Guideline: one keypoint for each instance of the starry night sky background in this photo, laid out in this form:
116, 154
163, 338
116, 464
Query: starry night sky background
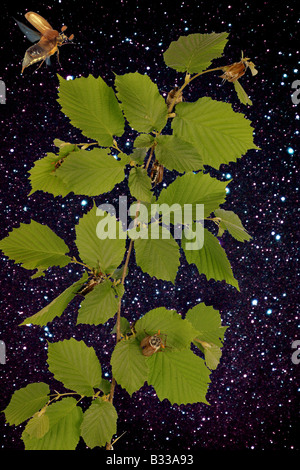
253, 394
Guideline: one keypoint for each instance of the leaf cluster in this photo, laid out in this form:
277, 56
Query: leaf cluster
183, 137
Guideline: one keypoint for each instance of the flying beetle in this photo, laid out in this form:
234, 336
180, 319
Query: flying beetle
48, 39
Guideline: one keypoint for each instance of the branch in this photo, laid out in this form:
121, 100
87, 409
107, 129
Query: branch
188, 80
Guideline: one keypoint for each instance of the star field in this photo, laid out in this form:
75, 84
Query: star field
254, 391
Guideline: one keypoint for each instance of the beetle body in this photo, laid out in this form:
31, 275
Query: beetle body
152, 344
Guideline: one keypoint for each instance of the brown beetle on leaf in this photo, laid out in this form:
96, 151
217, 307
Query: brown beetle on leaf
152, 344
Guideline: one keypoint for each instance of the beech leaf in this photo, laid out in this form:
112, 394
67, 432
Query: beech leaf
143, 106
35, 246
92, 106
75, 365
219, 134
193, 53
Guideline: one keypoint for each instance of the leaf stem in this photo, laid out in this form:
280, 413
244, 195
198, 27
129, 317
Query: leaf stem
58, 395
205, 71
122, 282
118, 320
74, 260
118, 330
188, 80
150, 157
216, 220
115, 146
86, 145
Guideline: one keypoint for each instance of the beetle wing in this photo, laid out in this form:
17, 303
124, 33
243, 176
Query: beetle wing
32, 35
145, 342
38, 22
48, 47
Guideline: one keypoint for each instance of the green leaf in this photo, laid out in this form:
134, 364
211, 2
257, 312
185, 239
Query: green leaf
211, 260
99, 424
43, 177
137, 157
91, 172
101, 304
143, 106
179, 376
118, 273
65, 419
129, 366
75, 365
108, 253
207, 321
218, 133
158, 257
57, 306
231, 222
124, 327
25, 402
35, 246
212, 355
210, 333
59, 143
123, 158
241, 94
38, 426
65, 147
193, 189
194, 53
177, 154
178, 333
140, 184
144, 141
91, 105
38, 273
105, 386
